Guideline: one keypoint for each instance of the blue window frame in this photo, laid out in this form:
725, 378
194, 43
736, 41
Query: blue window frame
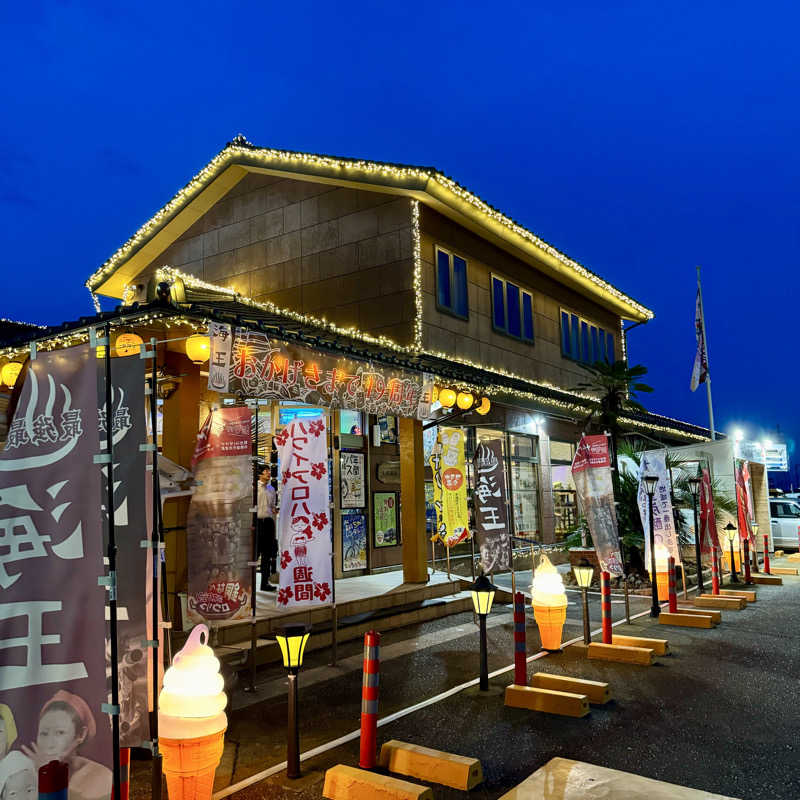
512, 309
582, 341
451, 284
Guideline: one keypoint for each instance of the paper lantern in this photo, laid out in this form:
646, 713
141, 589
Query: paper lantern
464, 400
447, 397
198, 348
10, 373
484, 407
127, 344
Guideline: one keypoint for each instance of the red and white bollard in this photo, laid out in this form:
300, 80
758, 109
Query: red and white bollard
714, 570
369, 699
520, 652
672, 595
605, 605
766, 553
746, 561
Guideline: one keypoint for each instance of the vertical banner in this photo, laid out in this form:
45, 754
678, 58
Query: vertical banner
304, 525
744, 503
52, 610
709, 540
454, 527
435, 462
654, 462
219, 525
491, 512
591, 473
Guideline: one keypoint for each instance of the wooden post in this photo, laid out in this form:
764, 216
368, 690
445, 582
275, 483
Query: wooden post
412, 501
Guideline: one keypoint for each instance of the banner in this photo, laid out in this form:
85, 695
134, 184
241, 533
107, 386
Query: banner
219, 528
744, 504
351, 480
654, 462
700, 368
591, 473
709, 538
304, 525
257, 366
52, 610
452, 478
491, 512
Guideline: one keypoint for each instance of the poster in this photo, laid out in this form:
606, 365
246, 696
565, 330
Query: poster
491, 512
385, 519
591, 474
52, 610
304, 525
654, 462
450, 477
219, 528
708, 522
351, 480
257, 366
354, 542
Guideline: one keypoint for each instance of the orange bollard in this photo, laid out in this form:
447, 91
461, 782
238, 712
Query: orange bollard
369, 699
605, 605
671, 595
766, 553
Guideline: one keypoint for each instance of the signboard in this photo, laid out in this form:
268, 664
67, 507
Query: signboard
491, 512
776, 457
749, 451
257, 366
450, 478
385, 519
351, 480
654, 462
354, 542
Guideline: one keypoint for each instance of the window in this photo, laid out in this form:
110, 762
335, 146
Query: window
451, 283
582, 341
512, 309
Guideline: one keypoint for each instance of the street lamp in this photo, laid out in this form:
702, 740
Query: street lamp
583, 577
292, 641
650, 483
694, 488
483, 591
730, 532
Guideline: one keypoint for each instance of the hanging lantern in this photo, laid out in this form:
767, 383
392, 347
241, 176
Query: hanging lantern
447, 397
127, 344
10, 373
484, 407
464, 400
198, 348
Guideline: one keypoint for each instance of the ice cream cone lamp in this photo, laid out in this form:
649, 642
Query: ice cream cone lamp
583, 577
694, 488
730, 532
549, 604
292, 640
483, 591
650, 482
191, 719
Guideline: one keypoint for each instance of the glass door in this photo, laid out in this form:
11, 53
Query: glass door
524, 485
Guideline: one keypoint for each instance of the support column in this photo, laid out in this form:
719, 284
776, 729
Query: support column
412, 501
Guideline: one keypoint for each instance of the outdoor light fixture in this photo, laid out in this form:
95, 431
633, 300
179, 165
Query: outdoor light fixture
464, 400
484, 407
583, 577
694, 488
730, 532
483, 591
650, 483
292, 641
10, 373
738, 435
198, 348
127, 344
447, 397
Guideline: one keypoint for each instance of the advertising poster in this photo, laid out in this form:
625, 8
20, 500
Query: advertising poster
351, 480
354, 541
591, 473
708, 521
304, 525
454, 527
219, 527
385, 520
491, 513
654, 462
52, 610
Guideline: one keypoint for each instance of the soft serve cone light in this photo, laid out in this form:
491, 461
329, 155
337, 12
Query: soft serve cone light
549, 604
192, 719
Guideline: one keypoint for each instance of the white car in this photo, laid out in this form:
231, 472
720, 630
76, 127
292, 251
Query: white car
785, 519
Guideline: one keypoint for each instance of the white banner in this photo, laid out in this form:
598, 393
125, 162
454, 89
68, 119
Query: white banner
304, 524
654, 462
700, 368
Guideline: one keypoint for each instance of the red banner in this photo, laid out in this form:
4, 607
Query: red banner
709, 538
743, 506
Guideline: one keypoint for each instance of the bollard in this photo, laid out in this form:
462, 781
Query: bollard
672, 595
124, 774
714, 570
520, 664
746, 561
766, 553
605, 606
369, 699
53, 781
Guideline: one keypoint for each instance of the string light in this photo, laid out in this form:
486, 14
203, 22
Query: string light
417, 252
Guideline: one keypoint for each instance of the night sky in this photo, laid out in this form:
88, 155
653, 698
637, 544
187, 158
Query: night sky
641, 140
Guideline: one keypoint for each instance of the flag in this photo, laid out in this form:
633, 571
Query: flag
700, 370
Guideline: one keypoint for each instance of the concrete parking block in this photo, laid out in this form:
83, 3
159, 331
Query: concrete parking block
434, 766
349, 783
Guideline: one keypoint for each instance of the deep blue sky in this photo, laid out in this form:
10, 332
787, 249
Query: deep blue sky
640, 138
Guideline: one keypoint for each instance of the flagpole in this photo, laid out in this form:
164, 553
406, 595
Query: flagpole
708, 359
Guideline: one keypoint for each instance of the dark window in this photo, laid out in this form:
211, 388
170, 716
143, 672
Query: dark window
451, 284
595, 349
514, 322
582, 341
460, 304
512, 309
585, 354
576, 348
498, 304
527, 316
601, 335
566, 340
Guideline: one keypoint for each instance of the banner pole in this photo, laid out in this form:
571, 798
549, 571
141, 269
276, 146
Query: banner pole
253, 573
708, 359
334, 610
112, 572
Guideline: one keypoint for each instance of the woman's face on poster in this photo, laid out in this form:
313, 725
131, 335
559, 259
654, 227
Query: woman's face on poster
57, 737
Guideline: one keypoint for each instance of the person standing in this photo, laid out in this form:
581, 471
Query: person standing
267, 540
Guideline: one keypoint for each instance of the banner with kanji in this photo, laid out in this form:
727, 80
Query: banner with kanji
744, 502
304, 520
219, 527
591, 473
491, 513
52, 610
654, 462
250, 363
709, 538
450, 477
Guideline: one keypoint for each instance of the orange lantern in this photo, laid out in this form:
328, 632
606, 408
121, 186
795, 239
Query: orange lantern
198, 348
484, 407
127, 344
464, 400
10, 373
447, 397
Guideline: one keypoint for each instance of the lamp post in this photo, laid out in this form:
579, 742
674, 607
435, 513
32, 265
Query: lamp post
292, 641
483, 591
730, 532
650, 483
694, 488
583, 576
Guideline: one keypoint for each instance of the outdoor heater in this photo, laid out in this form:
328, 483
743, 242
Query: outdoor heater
292, 641
730, 532
583, 576
483, 591
650, 483
694, 488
